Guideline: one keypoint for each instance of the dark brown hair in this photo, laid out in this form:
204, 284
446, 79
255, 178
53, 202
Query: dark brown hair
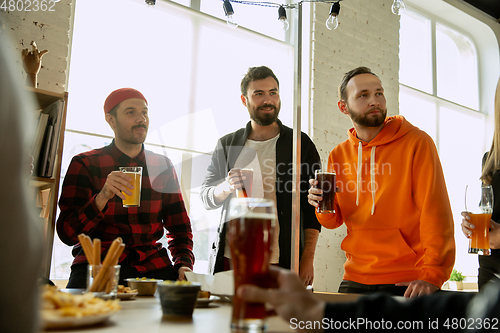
348, 76
256, 73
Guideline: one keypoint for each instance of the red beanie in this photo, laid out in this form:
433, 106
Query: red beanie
119, 95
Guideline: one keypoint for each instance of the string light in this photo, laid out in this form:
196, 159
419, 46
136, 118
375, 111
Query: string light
282, 18
333, 21
229, 12
398, 7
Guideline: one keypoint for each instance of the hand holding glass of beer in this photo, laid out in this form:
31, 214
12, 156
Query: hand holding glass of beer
246, 176
479, 242
250, 230
327, 183
134, 172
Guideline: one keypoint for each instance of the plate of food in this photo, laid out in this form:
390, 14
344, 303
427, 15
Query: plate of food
126, 292
204, 299
65, 310
57, 322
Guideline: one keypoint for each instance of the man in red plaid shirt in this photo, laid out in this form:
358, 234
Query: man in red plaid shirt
91, 200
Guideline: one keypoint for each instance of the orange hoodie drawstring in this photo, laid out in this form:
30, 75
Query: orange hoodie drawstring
358, 175
372, 174
372, 177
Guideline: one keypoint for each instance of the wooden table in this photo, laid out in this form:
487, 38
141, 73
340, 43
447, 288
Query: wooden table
144, 315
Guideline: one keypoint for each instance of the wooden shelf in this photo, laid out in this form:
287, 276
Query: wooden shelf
41, 181
44, 99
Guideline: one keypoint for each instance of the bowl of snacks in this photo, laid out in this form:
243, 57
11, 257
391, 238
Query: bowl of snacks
144, 286
178, 299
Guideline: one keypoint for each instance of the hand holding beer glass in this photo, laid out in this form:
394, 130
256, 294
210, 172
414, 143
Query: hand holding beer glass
480, 218
250, 230
135, 173
327, 183
245, 191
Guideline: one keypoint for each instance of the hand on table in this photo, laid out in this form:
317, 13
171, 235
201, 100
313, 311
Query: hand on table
306, 271
418, 288
182, 272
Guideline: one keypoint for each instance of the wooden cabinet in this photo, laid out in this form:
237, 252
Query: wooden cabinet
38, 184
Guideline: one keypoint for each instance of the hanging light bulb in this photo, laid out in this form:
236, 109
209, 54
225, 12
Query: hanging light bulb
229, 12
282, 18
333, 22
151, 3
398, 7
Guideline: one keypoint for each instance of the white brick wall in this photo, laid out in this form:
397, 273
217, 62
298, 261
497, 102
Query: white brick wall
368, 35
51, 31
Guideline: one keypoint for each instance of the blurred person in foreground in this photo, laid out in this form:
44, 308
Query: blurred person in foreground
91, 200
265, 145
393, 198
20, 229
490, 265
463, 312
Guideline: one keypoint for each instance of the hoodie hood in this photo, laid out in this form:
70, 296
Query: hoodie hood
394, 128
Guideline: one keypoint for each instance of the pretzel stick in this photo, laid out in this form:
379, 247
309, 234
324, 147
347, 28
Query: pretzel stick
90, 246
88, 250
119, 252
97, 251
98, 281
114, 262
110, 279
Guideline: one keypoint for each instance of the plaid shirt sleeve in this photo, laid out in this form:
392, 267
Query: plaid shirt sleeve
177, 223
79, 213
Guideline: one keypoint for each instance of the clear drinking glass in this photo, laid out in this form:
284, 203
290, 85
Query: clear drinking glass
135, 173
479, 242
251, 233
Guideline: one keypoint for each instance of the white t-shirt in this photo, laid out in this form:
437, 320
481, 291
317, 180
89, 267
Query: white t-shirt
261, 157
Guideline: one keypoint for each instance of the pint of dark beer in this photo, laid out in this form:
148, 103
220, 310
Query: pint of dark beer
326, 182
250, 230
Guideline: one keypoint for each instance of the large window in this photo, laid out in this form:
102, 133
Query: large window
440, 95
189, 66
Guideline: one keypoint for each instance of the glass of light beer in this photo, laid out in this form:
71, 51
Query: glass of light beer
246, 190
250, 230
134, 172
327, 183
479, 242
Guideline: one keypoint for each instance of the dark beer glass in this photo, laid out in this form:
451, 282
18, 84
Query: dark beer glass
326, 182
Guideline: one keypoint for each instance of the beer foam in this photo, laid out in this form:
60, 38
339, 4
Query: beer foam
333, 172
257, 215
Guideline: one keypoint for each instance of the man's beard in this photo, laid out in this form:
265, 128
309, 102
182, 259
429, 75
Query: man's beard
369, 121
128, 136
264, 119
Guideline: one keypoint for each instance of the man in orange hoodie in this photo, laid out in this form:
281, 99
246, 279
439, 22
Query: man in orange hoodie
392, 198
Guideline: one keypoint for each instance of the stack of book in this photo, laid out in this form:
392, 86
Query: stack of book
45, 143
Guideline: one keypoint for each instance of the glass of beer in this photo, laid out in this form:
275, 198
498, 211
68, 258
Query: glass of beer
327, 183
134, 172
246, 190
479, 242
250, 230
